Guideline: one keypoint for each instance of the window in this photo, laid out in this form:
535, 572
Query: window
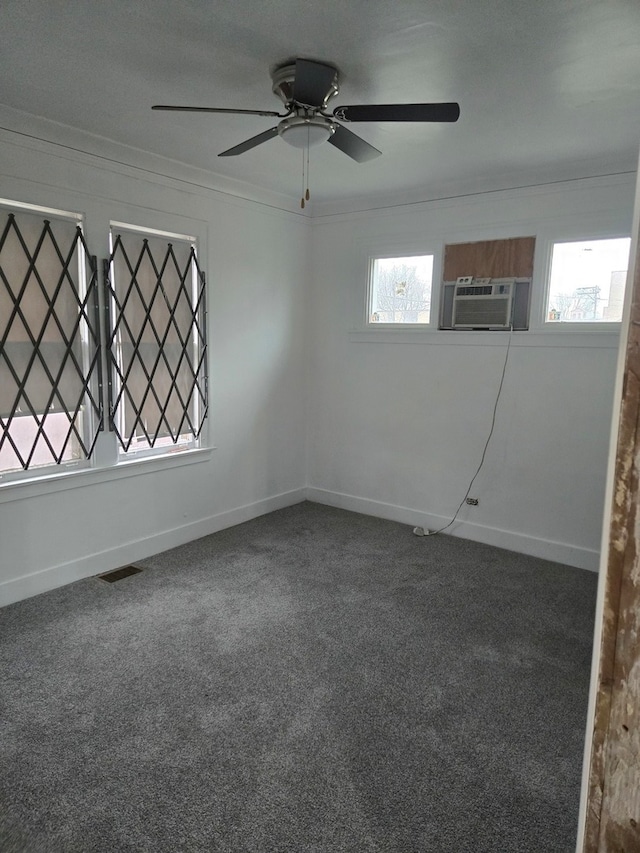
53, 325
587, 281
400, 289
50, 409
157, 342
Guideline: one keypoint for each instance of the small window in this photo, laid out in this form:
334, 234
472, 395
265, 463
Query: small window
587, 281
400, 290
157, 342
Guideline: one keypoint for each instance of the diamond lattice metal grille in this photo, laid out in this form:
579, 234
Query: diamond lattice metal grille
157, 341
50, 388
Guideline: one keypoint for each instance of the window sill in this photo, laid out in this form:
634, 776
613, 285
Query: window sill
15, 490
542, 337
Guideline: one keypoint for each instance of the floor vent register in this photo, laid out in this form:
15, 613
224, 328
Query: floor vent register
119, 574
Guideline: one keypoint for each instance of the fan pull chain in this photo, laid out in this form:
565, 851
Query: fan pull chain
307, 195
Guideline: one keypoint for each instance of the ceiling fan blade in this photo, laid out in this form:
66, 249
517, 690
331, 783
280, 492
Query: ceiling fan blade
312, 82
399, 112
353, 146
215, 110
248, 144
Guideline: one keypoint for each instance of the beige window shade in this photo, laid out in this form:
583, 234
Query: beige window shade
48, 336
157, 338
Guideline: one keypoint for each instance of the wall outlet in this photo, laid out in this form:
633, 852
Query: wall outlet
473, 501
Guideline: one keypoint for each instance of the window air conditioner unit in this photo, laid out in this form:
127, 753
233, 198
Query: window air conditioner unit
483, 303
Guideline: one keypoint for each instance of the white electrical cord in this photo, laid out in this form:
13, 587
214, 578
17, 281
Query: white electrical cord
420, 531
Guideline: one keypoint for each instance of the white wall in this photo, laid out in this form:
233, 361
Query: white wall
306, 402
255, 256
398, 419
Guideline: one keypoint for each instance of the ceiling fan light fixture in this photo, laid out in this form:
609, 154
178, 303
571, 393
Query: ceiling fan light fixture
306, 131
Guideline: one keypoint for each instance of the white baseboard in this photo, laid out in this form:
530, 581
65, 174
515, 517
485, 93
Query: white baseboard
557, 552
17, 589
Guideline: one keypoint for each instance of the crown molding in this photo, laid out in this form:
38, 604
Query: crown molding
36, 133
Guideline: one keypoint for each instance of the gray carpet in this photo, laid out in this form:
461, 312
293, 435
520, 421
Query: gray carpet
313, 680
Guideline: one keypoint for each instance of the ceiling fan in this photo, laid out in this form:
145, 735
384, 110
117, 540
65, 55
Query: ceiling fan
306, 87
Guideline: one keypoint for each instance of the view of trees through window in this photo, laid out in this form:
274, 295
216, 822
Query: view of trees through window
587, 281
401, 289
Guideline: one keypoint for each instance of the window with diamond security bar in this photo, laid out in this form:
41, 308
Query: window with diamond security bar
157, 343
50, 409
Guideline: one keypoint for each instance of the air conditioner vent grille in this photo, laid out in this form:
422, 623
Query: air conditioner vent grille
484, 305
482, 312
475, 290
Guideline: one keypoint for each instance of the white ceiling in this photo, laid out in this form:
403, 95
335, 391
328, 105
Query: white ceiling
547, 88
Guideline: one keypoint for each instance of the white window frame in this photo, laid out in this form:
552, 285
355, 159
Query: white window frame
164, 449
105, 464
47, 471
403, 252
573, 326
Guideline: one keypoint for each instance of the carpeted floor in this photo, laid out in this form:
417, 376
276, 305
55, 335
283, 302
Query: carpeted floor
312, 680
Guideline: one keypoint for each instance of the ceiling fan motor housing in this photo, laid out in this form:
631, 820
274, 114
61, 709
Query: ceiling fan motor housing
283, 85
